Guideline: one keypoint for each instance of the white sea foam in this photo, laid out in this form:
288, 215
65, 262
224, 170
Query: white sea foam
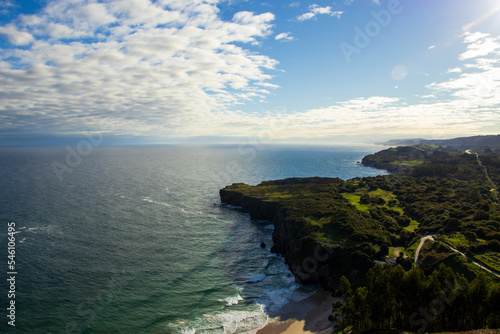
227, 322
149, 200
37, 229
230, 301
187, 331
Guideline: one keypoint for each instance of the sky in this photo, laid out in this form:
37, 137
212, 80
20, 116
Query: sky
170, 71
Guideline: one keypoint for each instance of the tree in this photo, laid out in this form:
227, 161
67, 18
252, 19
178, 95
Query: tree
478, 292
383, 252
492, 306
339, 308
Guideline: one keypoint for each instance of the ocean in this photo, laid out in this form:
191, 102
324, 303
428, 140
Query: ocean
134, 239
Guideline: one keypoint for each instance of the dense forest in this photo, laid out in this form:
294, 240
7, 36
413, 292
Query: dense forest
451, 194
411, 300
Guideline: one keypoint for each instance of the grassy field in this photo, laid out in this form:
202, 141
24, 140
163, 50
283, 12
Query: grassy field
395, 251
491, 259
455, 239
354, 200
410, 251
413, 226
387, 196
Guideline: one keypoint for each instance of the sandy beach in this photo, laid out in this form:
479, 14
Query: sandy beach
306, 316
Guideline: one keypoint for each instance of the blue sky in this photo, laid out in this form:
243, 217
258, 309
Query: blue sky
282, 71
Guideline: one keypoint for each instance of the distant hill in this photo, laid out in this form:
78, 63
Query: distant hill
402, 142
466, 142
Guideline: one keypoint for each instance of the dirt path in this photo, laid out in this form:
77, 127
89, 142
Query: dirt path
472, 260
493, 187
429, 237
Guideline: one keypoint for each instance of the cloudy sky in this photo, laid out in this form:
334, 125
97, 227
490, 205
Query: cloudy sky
287, 71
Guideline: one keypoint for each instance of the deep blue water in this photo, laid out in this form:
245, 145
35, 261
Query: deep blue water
133, 239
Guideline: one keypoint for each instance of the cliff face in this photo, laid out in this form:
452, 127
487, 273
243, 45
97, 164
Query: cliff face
258, 208
287, 234
309, 260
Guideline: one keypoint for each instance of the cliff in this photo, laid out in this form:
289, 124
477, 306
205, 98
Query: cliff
290, 236
316, 230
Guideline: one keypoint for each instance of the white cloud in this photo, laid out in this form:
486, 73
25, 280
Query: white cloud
455, 70
315, 10
479, 87
5, 6
15, 36
337, 13
284, 36
249, 17
431, 47
321, 10
295, 4
479, 45
161, 69
175, 68
306, 16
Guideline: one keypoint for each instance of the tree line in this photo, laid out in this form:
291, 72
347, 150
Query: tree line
395, 299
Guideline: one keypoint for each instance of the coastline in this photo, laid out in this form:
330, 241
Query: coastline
309, 315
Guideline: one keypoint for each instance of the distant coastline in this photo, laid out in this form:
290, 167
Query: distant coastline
469, 142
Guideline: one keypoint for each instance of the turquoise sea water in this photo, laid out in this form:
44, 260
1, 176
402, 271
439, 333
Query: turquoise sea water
134, 239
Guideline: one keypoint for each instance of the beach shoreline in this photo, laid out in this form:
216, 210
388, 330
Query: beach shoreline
309, 315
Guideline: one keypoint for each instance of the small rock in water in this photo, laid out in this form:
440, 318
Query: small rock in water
263, 245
